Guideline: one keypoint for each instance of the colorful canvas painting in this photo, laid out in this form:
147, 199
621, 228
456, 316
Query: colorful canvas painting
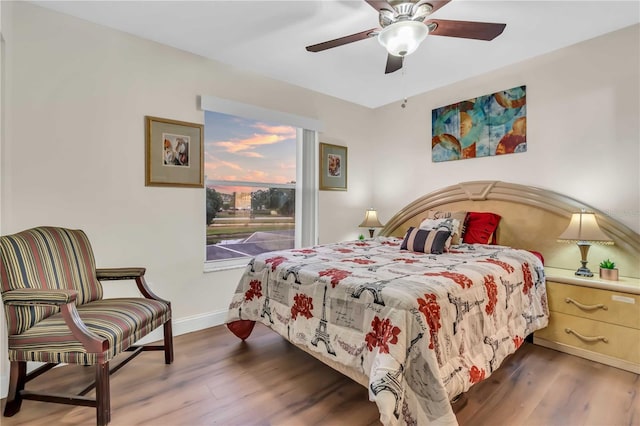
488, 125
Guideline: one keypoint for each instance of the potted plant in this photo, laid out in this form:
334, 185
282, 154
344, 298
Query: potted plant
608, 270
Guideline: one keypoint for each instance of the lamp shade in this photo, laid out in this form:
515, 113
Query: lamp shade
371, 220
584, 227
403, 38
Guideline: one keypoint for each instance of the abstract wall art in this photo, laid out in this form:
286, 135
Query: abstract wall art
488, 125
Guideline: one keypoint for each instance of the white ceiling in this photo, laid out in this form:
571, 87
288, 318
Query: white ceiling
269, 38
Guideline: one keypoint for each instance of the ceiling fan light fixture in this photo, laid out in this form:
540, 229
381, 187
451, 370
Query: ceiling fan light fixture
403, 38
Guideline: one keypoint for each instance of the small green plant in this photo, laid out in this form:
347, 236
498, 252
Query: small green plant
361, 237
607, 264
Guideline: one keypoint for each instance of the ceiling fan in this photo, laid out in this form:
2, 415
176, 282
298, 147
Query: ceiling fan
405, 25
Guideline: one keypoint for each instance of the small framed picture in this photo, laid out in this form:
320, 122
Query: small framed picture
333, 167
174, 153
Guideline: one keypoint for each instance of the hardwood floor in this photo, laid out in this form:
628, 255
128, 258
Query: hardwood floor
218, 380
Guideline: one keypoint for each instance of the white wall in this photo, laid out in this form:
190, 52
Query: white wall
583, 131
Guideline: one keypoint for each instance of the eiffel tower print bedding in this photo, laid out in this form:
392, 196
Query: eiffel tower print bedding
422, 327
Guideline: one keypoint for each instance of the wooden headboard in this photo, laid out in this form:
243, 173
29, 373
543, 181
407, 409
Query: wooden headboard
532, 219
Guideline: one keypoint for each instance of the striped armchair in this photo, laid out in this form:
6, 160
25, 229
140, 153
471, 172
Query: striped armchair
55, 313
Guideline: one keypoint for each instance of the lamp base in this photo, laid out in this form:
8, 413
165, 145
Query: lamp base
371, 231
583, 271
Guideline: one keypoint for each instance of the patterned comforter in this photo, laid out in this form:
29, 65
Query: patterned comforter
422, 327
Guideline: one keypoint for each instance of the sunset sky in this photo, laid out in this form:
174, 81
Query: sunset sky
242, 149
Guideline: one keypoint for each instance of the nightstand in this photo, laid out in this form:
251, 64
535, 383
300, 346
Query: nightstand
593, 318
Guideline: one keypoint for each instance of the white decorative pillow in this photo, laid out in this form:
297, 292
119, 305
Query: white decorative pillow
448, 224
460, 215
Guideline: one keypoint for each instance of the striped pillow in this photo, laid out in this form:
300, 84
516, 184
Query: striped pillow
451, 225
425, 241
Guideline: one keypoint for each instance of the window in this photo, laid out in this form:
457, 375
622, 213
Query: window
250, 169
260, 179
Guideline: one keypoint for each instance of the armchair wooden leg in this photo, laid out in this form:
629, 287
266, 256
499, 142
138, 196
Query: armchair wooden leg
103, 397
168, 343
17, 379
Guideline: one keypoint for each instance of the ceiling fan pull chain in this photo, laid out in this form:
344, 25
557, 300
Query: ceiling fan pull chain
404, 88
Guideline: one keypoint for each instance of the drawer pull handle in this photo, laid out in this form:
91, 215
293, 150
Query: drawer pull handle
586, 307
585, 338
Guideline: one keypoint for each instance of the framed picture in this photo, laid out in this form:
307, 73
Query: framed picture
333, 167
174, 153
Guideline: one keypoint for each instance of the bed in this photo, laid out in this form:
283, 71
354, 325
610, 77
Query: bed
417, 315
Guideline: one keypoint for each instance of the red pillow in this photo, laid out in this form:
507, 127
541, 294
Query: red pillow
538, 255
481, 228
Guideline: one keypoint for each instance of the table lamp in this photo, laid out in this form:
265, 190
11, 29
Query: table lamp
583, 229
371, 221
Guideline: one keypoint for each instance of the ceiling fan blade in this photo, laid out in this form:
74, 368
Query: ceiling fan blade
380, 5
342, 40
465, 29
394, 63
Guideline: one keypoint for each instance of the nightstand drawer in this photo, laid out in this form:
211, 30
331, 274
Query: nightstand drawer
592, 303
621, 342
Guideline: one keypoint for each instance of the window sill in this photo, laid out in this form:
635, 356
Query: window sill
226, 265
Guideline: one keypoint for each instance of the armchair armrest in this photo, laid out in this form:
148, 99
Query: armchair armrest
36, 296
91, 341
136, 274
65, 300
119, 273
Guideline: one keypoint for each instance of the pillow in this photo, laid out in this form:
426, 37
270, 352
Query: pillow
451, 225
538, 255
425, 241
481, 228
456, 237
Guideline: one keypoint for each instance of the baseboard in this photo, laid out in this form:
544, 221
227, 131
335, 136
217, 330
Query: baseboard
180, 326
4, 381
188, 325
